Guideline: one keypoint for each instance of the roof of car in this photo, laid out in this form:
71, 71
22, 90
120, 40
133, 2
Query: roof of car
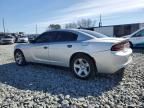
70, 30
78, 31
63, 30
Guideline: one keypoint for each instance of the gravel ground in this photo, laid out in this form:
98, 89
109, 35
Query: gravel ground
43, 86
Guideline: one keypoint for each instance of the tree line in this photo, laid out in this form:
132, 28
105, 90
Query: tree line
83, 23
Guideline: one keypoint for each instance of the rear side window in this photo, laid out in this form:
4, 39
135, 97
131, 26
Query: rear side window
93, 33
63, 36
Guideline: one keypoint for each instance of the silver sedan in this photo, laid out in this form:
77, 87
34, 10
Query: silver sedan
85, 52
7, 40
23, 39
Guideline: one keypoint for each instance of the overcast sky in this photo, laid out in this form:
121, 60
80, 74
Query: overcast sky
23, 15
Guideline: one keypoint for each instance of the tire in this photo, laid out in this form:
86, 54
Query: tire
19, 58
83, 66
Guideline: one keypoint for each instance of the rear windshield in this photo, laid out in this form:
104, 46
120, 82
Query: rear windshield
93, 33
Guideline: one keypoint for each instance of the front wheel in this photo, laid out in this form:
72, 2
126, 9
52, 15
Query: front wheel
83, 66
19, 58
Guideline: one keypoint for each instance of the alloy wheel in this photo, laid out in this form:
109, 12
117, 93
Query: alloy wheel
19, 58
81, 67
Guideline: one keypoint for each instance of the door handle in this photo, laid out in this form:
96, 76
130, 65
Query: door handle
45, 47
69, 46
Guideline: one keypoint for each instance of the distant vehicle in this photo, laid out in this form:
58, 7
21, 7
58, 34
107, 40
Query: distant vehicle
23, 39
7, 40
32, 37
15, 36
84, 51
136, 39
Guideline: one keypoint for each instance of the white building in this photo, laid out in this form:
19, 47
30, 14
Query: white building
107, 30
118, 30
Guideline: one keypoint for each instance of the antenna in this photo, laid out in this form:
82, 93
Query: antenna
100, 23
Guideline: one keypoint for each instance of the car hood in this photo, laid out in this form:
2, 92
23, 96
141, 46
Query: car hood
6, 38
22, 45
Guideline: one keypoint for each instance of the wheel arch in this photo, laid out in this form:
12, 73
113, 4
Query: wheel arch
24, 62
20, 51
81, 53
17, 50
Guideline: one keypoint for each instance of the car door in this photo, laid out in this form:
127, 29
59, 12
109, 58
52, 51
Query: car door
138, 39
40, 48
62, 48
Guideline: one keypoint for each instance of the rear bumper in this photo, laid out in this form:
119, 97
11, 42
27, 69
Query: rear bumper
111, 62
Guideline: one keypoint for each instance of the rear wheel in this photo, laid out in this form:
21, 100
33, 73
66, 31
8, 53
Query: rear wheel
83, 66
19, 58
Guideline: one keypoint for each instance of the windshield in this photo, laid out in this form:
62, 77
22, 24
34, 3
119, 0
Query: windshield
8, 37
23, 37
95, 34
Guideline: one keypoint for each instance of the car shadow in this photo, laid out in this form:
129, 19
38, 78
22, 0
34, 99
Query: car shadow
56, 80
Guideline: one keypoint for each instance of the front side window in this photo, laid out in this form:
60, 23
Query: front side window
63, 36
139, 34
46, 37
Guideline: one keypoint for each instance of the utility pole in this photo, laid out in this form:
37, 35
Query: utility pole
3, 25
100, 22
36, 29
7, 30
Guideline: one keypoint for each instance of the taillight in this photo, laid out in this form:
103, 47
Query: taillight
120, 46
